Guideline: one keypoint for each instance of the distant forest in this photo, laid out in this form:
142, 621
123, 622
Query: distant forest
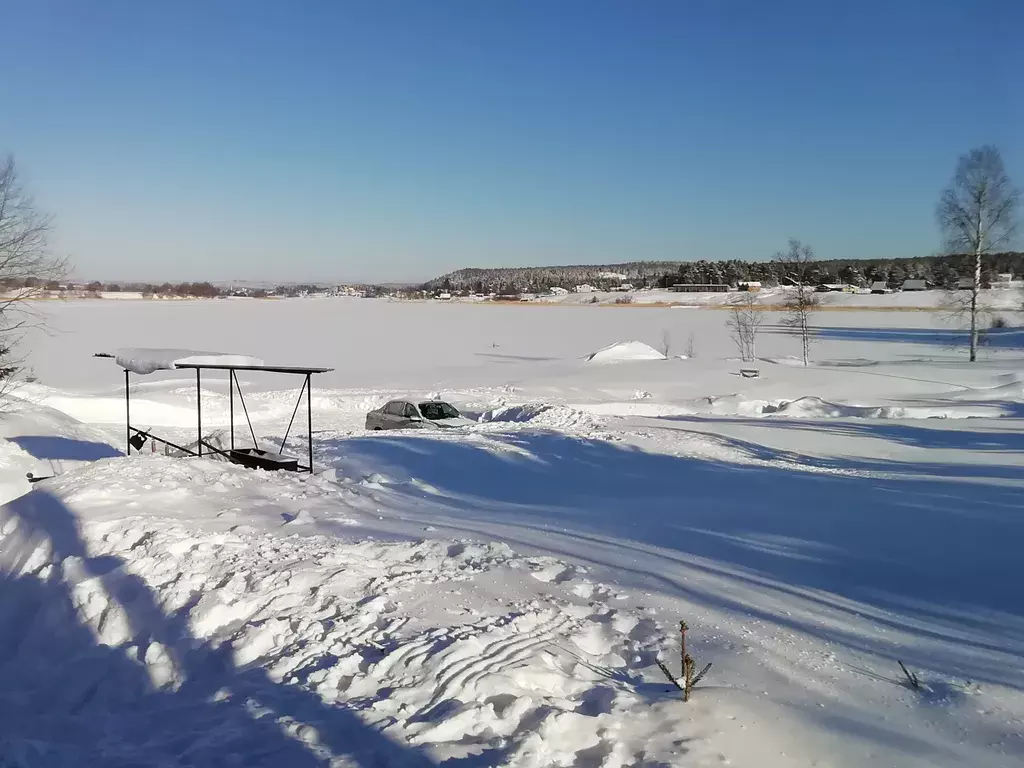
942, 271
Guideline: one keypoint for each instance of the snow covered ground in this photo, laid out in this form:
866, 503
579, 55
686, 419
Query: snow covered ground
499, 595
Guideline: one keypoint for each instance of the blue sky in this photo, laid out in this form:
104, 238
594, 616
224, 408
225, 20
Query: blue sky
391, 140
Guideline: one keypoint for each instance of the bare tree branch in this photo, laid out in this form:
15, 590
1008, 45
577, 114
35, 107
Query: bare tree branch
745, 319
796, 267
26, 266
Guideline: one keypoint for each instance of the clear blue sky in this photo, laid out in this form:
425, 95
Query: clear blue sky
380, 139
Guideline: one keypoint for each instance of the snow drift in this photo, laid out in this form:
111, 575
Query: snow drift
540, 415
625, 351
817, 408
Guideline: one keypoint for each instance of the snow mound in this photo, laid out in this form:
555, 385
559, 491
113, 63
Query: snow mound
1010, 387
625, 351
45, 442
540, 415
816, 408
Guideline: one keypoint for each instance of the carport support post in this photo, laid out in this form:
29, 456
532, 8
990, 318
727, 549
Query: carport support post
309, 417
231, 407
199, 410
127, 415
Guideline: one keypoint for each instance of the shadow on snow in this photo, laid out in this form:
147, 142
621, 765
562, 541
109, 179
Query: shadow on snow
53, 448
923, 554
66, 699
993, 338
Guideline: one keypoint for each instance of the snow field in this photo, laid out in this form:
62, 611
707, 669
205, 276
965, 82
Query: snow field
497, 595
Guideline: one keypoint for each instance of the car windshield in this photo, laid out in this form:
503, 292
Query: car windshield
435, 411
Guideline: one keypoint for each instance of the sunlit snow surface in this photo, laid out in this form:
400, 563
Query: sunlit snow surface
497, 595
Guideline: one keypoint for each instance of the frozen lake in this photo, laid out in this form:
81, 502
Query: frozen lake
377, 343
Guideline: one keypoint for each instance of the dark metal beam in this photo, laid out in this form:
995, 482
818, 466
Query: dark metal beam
127, 414
309, 417
199, 409
156, 439
295, 410
266, 368
248, 421
231, 407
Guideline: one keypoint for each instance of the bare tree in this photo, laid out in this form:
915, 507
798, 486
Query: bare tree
745, 319
977, 214
26, 265
666, 342
796, 268
690, 353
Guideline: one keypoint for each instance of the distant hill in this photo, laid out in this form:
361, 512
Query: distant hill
534, 279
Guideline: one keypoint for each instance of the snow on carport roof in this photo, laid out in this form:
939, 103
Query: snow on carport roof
143, 360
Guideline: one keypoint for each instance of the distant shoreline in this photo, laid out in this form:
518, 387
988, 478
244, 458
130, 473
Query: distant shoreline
774, 306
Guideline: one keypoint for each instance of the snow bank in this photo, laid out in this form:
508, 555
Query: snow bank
625, 351
540, 415
801, 408
1008, 387
45, 442
144, 361
817, 408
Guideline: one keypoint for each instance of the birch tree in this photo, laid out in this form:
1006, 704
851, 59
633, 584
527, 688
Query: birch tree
796, 267
744, 321
977, 214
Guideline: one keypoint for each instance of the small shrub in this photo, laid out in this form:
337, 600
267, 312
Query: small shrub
627, 299
593, 300
999, 322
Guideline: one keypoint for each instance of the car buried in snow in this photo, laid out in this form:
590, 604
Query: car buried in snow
410, 414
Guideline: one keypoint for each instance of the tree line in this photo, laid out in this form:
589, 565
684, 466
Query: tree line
198, 290
942, 271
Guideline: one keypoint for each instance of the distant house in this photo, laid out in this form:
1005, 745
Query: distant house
1002, 280
830, 288
444, 297
584, 288
880, 286
699, 288
965, 283
623, 287
915, 285
749, 285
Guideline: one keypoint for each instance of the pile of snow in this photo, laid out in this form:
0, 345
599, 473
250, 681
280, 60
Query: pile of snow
817, 408
541, 415
1008, 387
801, 408
45, 442
145, 361
625, 351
